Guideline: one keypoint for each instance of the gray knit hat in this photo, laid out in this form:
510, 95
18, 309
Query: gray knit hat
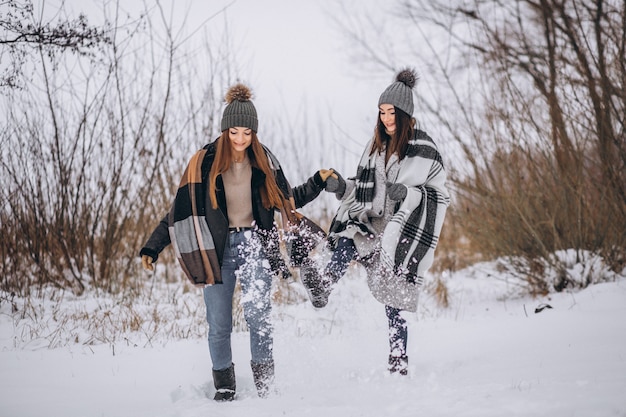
240, 110
400, 93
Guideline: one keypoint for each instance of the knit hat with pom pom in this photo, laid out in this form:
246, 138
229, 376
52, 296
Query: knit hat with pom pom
240, 110
400, 92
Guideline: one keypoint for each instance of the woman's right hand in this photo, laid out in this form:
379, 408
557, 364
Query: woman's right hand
147, 262
325, 173
334, 183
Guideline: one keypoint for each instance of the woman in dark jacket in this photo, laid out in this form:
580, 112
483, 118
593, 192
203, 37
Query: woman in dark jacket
222, 228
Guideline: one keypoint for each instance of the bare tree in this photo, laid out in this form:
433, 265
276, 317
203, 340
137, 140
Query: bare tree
531, 93
91, 150
24, 36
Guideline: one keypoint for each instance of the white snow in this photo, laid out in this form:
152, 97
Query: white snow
487, 354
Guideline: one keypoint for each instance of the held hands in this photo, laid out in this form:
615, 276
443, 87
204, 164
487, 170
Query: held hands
325, 173
334, 181
146, 262
396, 192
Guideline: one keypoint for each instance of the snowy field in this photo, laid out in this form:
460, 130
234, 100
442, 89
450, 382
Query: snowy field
487, 354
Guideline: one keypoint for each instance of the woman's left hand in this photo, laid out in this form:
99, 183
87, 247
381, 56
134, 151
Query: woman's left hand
396, 192
147, 262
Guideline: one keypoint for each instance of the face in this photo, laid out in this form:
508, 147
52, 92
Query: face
387, 115
240, 139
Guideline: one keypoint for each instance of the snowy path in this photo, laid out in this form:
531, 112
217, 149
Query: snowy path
481, 357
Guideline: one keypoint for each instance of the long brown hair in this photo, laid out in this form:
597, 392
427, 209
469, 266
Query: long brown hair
271, 196
397, 142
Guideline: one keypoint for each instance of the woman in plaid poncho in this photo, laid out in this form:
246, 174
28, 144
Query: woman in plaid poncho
222, 228
390, 217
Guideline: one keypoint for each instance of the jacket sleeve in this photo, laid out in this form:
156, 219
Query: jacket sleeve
307, 192
158, 241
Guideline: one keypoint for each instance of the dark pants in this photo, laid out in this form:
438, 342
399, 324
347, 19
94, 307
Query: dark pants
398, 333
343, 254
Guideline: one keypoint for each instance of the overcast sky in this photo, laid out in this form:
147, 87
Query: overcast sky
291, 52
300, 59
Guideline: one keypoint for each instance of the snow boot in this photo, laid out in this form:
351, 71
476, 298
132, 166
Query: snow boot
399, 364
224, 382
263, 374
317, 286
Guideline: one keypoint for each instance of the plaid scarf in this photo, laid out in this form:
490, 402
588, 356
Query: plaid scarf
409, 239
189, 232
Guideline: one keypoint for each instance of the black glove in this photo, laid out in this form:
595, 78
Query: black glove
396, 192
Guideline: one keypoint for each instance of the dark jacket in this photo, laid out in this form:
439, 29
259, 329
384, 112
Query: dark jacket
217, 219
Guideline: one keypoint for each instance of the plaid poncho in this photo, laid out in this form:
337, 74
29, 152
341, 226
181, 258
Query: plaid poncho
189, 232
192, 237
405, 250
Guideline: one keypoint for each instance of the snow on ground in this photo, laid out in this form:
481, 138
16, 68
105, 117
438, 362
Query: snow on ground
486, 355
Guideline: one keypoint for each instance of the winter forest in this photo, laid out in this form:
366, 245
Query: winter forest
102, 103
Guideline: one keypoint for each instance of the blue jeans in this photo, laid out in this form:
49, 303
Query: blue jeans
244, 259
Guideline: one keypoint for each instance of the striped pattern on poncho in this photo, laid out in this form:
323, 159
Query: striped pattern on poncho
189, 232
410, 237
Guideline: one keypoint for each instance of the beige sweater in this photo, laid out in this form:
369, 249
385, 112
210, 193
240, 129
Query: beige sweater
239, 193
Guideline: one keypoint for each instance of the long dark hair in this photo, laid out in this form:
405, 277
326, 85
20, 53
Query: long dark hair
397, 142
270, 193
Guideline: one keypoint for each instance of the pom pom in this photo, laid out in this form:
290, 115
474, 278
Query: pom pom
408, 77
239, 92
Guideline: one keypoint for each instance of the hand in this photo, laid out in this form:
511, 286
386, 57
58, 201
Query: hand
396, 192
146, 262
325, 173
336, 184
